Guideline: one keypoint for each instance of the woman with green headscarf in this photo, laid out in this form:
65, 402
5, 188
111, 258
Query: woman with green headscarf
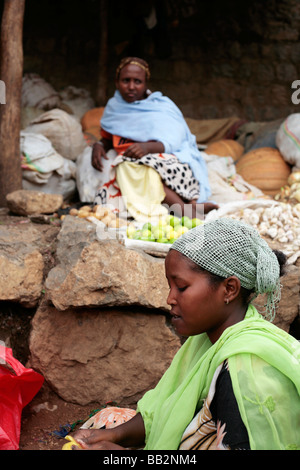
235, 382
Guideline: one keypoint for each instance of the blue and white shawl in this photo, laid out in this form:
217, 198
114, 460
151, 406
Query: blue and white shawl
157, 118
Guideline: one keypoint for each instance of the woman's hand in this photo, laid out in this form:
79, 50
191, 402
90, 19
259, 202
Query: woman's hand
129, 434
102, 445
98, 154
136, 150
90, 439
139, 149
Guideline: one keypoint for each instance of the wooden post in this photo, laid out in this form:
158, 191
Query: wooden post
101, 92
11, 66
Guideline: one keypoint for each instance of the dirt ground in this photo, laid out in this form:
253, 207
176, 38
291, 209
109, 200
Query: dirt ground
48, 414
43, 416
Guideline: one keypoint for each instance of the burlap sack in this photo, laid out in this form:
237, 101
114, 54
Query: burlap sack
63, 130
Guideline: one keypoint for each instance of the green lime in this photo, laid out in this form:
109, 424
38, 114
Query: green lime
137, 235
146, 233
162, 240
130, 231
157, 232
174, 221
196, 222
186, 222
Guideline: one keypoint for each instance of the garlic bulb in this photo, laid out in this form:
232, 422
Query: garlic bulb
280, 222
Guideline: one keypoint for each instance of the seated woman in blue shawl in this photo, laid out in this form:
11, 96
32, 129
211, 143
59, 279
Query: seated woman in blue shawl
148, 131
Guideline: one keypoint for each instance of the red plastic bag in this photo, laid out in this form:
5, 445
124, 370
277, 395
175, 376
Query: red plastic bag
17, 388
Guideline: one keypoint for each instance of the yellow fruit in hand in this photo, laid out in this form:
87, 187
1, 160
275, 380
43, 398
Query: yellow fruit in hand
69, 445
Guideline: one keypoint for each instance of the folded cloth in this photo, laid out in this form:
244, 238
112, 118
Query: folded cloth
109, 417
142, 191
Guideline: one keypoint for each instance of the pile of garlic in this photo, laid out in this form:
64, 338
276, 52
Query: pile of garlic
279, 222
291, 191
98, 212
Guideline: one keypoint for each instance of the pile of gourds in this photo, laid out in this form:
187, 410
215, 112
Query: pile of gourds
264, 167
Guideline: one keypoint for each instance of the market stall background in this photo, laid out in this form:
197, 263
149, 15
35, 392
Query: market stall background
214, 59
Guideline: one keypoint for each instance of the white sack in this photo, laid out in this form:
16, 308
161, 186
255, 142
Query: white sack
225, 184
288, 139
37, 93
88, 179
62, 129
78, 100
43, 169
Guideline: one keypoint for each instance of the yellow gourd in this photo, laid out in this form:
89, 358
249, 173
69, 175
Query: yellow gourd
225, 148
91, 118
264, 168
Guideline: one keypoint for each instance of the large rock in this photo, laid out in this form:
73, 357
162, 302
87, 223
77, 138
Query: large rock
289, 305
92, 272
21, 279
26, 202
100, 355
21, 264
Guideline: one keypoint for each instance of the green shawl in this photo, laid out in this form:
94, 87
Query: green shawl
264, 365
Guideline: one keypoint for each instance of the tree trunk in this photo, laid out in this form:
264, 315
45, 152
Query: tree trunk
11, 66
101, 92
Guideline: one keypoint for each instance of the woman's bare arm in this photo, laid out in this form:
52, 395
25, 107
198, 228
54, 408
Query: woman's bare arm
99, 152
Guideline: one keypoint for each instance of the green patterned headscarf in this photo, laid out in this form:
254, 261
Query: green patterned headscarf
228, 247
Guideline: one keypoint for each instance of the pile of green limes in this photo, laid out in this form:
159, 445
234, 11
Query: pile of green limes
167, 230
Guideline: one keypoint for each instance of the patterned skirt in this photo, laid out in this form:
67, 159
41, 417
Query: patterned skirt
176, 175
